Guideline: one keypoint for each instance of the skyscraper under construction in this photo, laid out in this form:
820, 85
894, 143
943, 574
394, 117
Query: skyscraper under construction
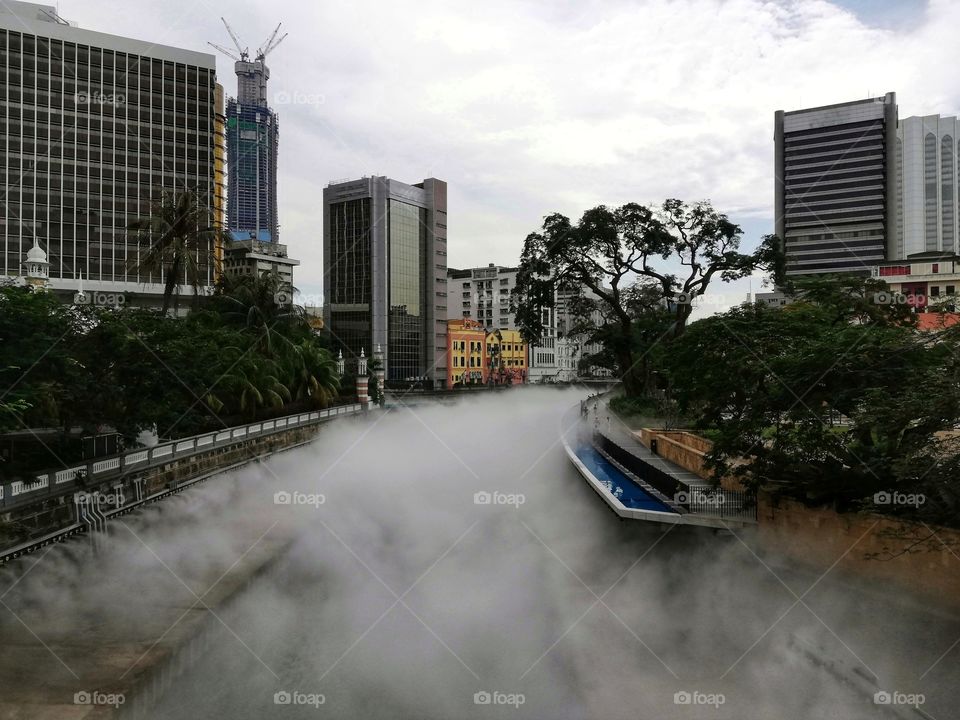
252, 133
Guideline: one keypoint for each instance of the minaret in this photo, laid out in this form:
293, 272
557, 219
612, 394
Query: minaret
38, 269
379, 372
362, 382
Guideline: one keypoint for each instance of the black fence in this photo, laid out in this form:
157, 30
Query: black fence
656, 478
696, 499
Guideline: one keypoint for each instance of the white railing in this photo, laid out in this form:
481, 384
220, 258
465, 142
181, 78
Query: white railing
176, 449
108, 464
19, 487
63, 476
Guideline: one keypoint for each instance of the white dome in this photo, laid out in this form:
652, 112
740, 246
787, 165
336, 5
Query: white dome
36, 254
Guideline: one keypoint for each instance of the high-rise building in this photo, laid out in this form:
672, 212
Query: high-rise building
253, 133
927, 149
95, 128
482, 294
219, 175
252, 142
835, 185
385, 273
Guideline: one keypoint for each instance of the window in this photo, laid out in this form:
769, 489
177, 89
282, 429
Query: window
936, 268
946, 191
950, 290
930, 190
935, 291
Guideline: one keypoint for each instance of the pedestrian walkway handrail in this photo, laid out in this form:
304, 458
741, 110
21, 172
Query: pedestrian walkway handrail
58, 482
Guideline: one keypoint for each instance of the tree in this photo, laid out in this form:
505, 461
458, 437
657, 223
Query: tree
613, 253
179, 238
823, 410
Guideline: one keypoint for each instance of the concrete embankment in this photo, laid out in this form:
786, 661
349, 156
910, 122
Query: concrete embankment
917, 558
132, 662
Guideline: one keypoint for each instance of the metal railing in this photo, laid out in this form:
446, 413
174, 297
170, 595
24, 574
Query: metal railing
58, 482
699, 498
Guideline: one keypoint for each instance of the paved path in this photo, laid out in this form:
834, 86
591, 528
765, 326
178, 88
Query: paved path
606, 422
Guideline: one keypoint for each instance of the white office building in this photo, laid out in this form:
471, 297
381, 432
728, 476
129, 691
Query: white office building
927, 150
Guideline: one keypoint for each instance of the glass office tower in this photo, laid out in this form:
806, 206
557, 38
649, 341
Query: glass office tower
385, 266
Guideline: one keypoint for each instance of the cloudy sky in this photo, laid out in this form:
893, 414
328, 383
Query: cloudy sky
527, 107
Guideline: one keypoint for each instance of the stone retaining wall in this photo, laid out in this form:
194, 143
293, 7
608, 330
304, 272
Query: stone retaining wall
871, 546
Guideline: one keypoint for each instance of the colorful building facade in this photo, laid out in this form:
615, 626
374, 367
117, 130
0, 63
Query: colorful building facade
466, 353
506, 358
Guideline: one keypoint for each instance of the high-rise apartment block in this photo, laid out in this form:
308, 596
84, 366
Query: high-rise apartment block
95, 127
385, 273
835, 185
482, 294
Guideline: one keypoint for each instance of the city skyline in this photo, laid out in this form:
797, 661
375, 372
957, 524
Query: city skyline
505, 104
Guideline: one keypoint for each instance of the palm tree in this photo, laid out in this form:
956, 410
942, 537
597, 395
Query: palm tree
314, 374
179, 235
254, 302
252, 382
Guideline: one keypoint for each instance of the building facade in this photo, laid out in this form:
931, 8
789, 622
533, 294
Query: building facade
253, 137
558, 356
385, 273
467, 353
835, 185
924, 281
95, 128
253, 258
506, 358
482, 294
927, 150
219, 175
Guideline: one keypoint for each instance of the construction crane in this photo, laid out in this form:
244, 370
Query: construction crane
228, 53
244, 51
271, 43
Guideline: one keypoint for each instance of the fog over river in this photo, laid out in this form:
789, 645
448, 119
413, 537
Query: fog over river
400, 596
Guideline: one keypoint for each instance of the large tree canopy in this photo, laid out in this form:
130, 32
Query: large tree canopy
636, 262
832, 398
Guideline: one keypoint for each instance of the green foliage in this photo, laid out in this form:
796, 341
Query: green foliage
615, 253
240, 358
627, 406
178, 242
833, 398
